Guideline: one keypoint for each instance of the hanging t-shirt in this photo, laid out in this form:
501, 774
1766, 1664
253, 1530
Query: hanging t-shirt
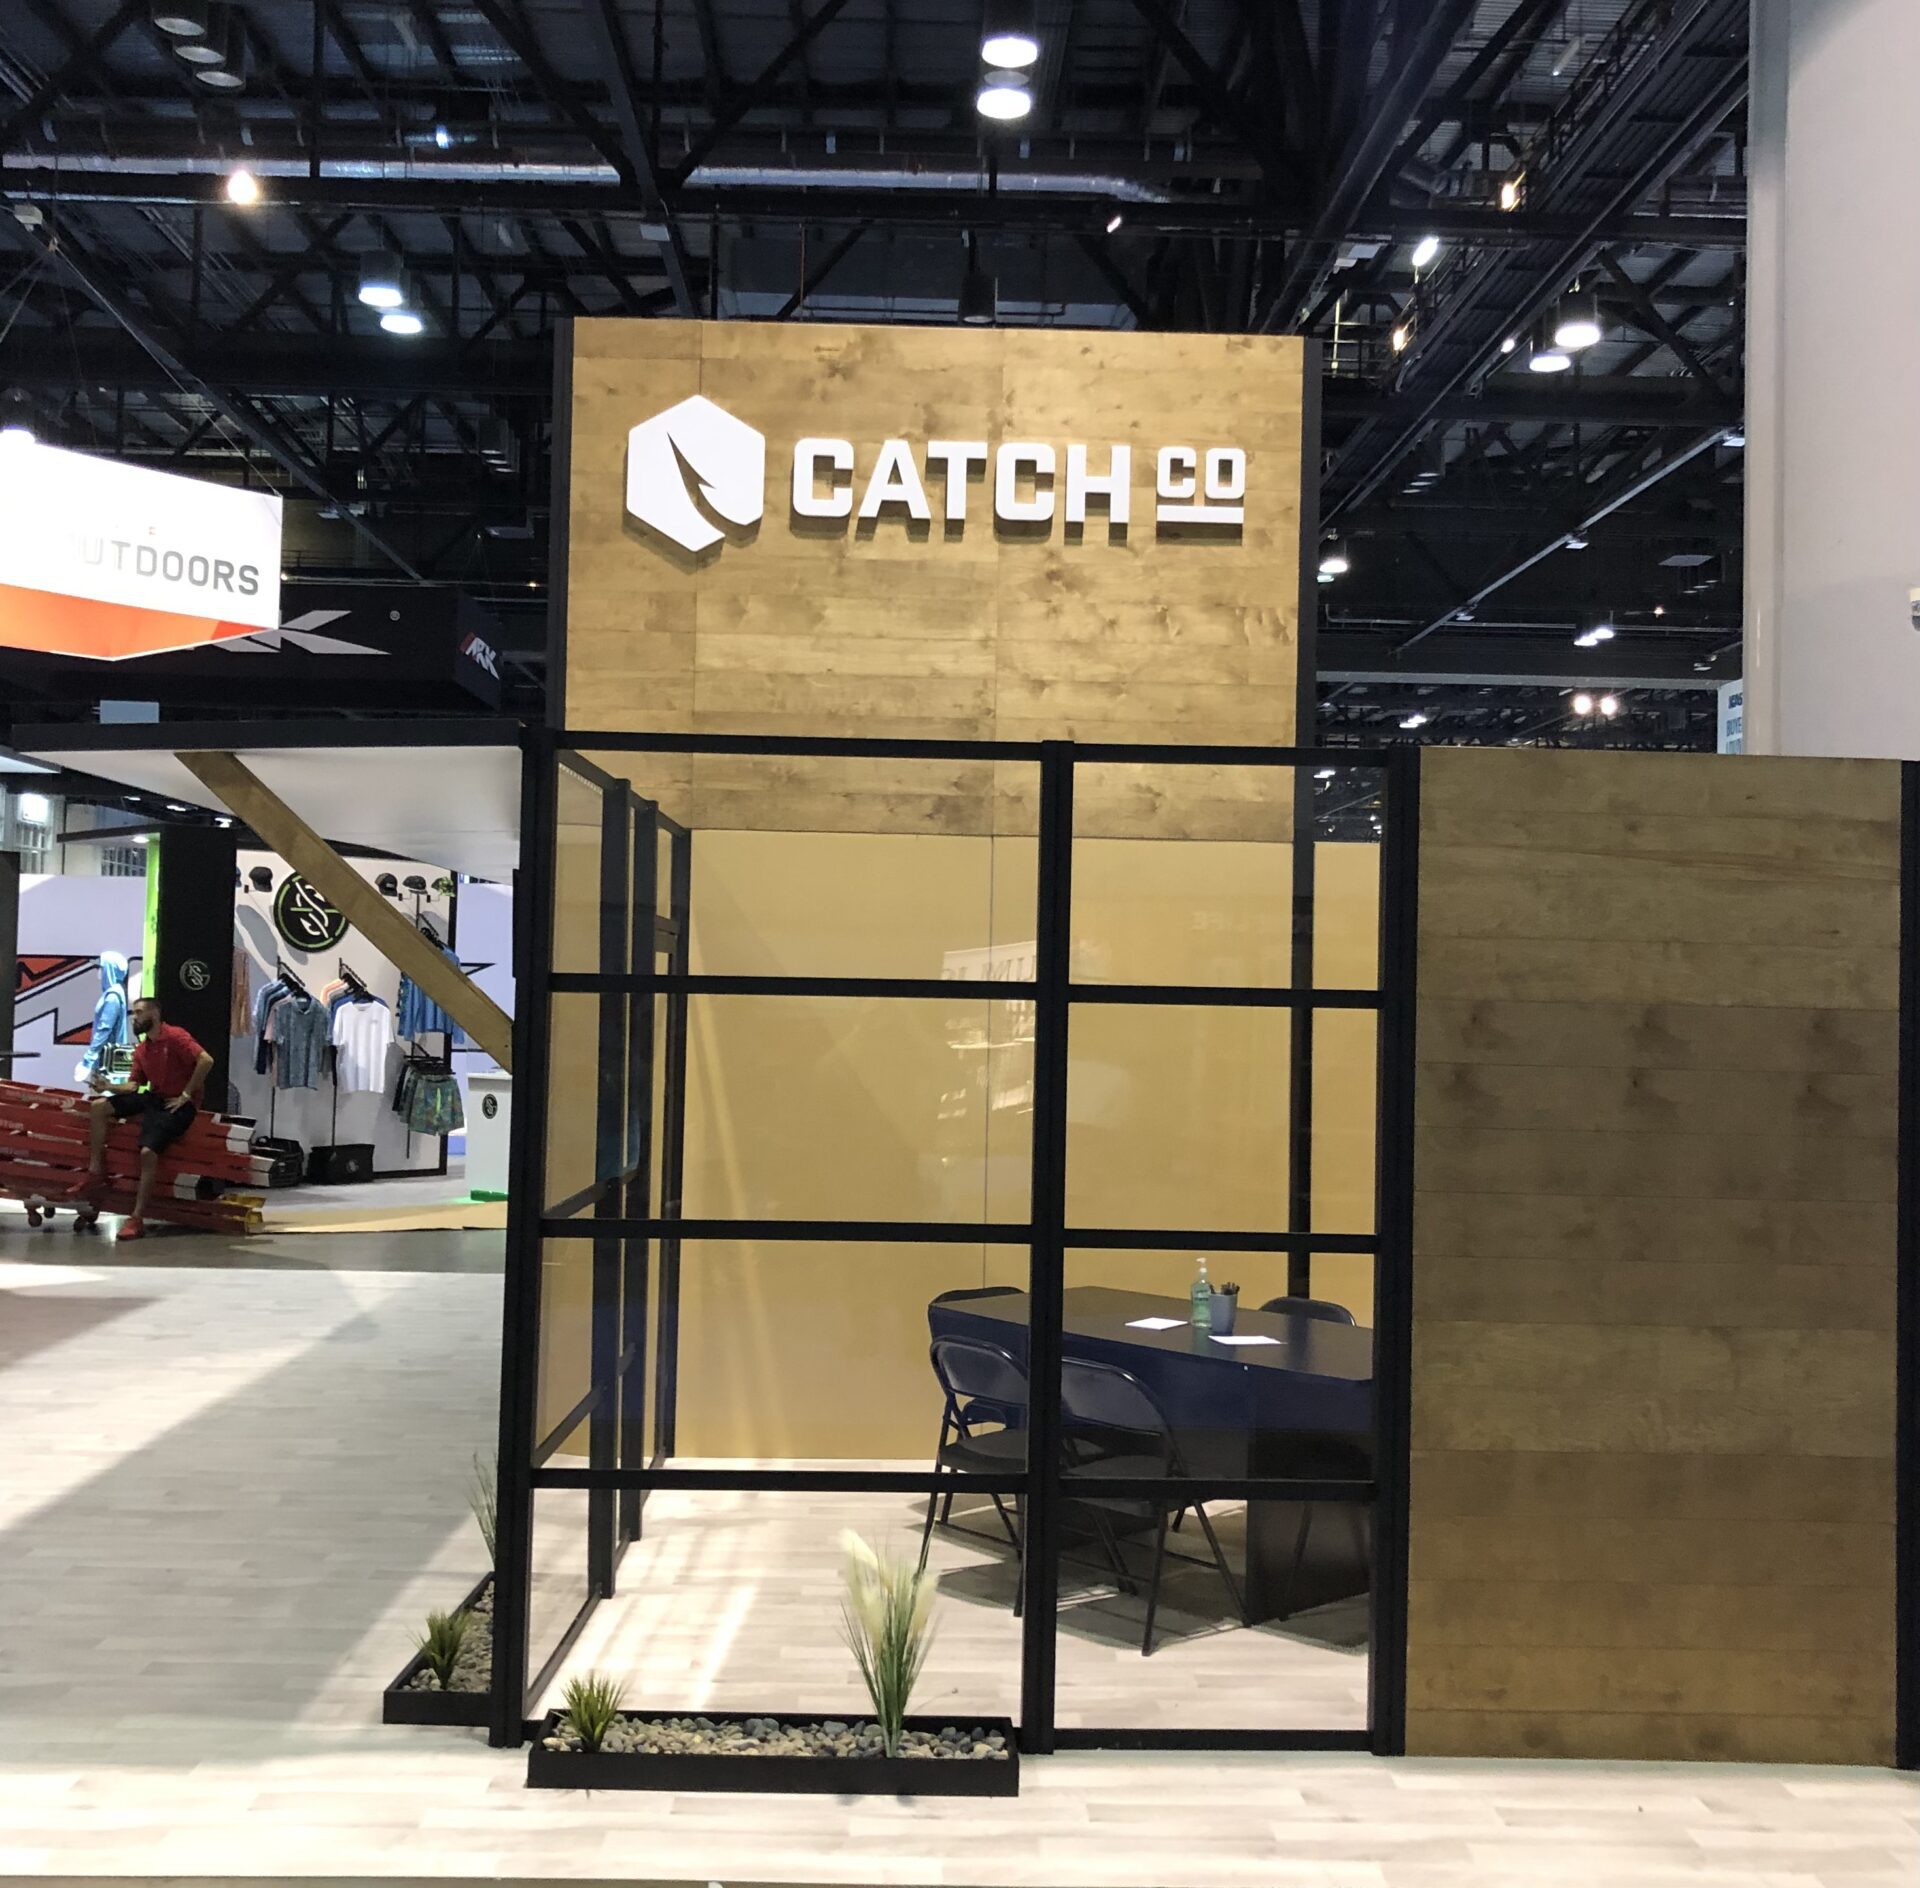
362, 1035
421, 1016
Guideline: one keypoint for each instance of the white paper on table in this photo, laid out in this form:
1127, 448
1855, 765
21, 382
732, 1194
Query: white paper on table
1251, 1337
1155, 1324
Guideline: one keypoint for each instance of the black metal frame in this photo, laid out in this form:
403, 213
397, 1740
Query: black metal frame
618, 1213
1906, 1379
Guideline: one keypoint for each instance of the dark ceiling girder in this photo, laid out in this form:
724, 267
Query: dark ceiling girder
609, 38
85, 59
1221, 105
1364, 160
517, 36
1623, 491
755, 93
1656, 323
1507, 399
816, 276
1518, 658
1521, 21
906, 207
237, 410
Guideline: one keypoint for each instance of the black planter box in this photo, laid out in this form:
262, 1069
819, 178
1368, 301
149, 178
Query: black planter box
817, 1776
398, 1705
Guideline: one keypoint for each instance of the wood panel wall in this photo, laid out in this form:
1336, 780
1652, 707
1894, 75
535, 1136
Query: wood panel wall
897, 629
1653, 1391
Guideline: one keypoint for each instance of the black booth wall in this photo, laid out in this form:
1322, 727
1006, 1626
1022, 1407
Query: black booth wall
192, 969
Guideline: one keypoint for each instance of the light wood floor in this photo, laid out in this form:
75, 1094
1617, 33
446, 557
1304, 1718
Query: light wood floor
227, 1496
731, 1602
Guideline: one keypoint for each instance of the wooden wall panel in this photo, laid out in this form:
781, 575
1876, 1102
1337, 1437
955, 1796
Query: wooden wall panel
1652, 1503
896, 629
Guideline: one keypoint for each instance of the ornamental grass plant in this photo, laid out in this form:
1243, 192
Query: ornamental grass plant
887, 1617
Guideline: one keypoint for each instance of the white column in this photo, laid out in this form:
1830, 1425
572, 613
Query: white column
1833, 379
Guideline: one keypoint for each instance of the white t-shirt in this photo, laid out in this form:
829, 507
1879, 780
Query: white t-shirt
362, 1035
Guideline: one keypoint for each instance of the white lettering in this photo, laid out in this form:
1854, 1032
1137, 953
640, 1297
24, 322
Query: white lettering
895, 481
1180, 486
1115, 486
808, 456
1008, 506
956, 459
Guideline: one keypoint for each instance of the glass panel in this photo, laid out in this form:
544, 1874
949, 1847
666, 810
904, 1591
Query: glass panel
1345, 1080
578, 1152
1182, 874
812, 867
731, 1603
566, 1340
1177, 1117
1346, 915
576, 868
818, 1352
858, 1108
1277, 1640
559, 1585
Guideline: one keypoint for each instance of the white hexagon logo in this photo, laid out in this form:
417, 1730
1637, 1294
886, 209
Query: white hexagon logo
695, 453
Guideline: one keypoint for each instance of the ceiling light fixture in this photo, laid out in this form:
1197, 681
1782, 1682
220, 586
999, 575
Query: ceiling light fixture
1415, 720
1334, 561
1551, 359
180, 19
1003, 97
1609, 705
205, 45
16, 419
1325, 773
1114, 222
979, 292
1509, 193
1425, 251
1583, 704
401, 321
383, 283
1008, 35
243, 187
1735, 436
1575, 541
1399, 338
1508, 345
1577, 325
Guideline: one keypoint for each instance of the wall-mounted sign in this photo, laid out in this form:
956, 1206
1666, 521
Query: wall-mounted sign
303, 915
696, 454
103, 559
195, 974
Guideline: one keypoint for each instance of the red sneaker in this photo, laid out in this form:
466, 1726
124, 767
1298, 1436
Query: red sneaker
131, 1229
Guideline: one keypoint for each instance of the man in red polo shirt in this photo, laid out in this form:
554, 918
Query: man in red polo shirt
169, 1071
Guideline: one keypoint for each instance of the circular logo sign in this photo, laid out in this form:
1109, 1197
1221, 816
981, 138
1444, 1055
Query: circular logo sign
489, 1105
194, 974
302, 915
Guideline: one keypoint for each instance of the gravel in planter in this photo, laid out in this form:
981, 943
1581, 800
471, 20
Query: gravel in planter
769, 1737
473, 1669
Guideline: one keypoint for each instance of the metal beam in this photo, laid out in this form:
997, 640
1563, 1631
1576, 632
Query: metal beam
610, 40
1506, 399
1365, 160
84, 59
818, 274
1225, 110
911, 205
755, 94
1622, 492
237, 411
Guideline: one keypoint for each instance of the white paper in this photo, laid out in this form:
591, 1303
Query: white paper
1250, 1337
1155, 1324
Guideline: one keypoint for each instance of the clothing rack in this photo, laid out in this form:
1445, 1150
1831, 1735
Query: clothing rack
289, 976
351, 978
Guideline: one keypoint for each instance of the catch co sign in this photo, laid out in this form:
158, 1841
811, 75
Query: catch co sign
696, 463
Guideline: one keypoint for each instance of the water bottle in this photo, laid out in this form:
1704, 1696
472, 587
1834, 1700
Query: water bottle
1201, 1299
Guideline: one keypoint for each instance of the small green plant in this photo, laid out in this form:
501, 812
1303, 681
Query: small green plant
440, 1645
888, 1620
592, 1704
483, 1499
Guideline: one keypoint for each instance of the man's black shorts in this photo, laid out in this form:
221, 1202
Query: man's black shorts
160, 1126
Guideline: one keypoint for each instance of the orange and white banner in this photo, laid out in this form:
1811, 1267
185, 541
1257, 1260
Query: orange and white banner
101, 558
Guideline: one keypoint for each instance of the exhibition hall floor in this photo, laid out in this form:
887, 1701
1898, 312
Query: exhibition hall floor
233, 1488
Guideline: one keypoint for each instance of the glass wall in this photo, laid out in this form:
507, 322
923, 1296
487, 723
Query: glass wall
893, 1094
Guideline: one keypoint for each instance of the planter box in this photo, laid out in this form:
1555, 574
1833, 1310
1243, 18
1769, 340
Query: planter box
399, 1705
821, 1776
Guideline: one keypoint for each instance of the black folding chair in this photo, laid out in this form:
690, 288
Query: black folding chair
1116, 1430
981, 1409
976, 1376
1323, 1309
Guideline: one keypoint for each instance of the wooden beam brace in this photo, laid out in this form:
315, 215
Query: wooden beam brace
242, 792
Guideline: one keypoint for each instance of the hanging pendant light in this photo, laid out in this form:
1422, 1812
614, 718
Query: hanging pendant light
1577, 324
1008, 37
979, 292
383, 282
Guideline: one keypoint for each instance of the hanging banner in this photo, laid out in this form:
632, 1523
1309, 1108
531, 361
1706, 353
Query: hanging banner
107, 560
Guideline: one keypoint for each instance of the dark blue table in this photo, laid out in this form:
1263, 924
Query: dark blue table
1301, 1406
